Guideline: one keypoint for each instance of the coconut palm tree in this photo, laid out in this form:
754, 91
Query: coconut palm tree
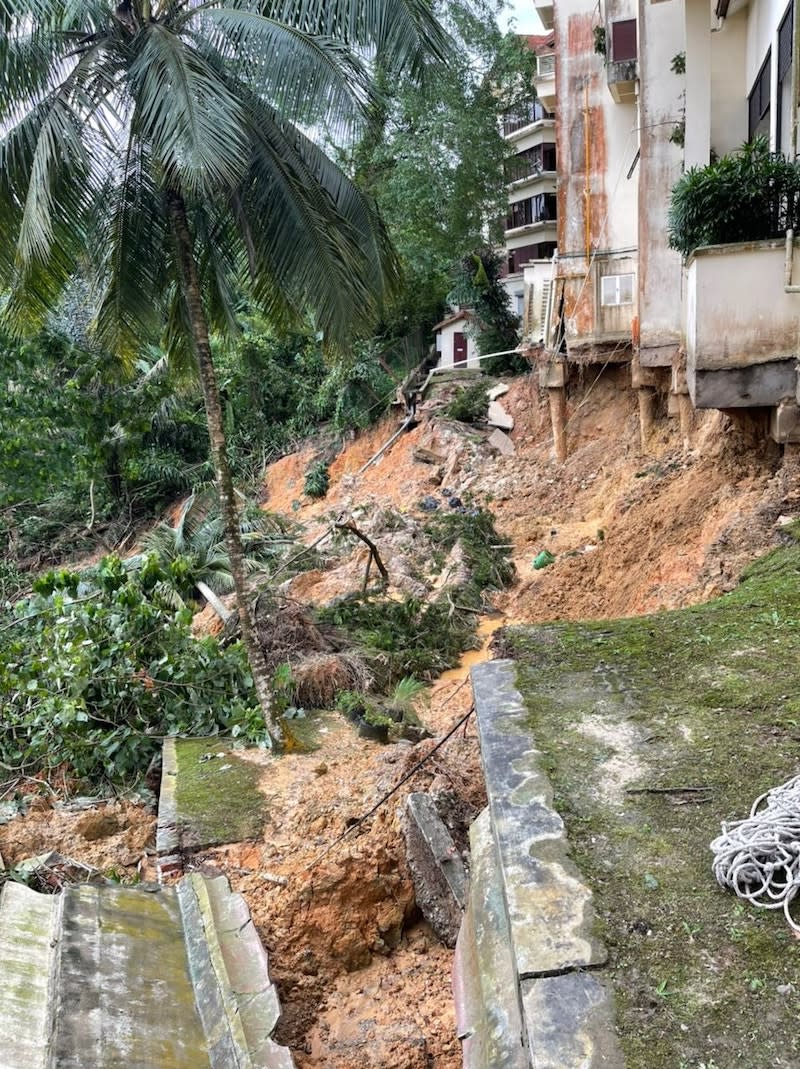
170, 150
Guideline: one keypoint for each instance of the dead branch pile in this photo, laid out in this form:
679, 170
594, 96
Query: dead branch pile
318, 678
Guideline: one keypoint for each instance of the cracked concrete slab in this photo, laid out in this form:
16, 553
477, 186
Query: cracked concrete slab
549, 907
105, 975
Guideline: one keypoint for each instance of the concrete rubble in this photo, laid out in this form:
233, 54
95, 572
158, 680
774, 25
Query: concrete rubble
498, 417
437, 869
501, 443
106, 976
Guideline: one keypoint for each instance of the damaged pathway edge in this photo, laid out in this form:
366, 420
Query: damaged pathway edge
527, 977
104, 975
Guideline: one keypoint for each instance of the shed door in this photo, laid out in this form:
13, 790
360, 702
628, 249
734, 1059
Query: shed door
459, 349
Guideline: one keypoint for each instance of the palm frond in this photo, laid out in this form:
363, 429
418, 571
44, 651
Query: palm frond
132, 235
186, 113
404, 33
306, 77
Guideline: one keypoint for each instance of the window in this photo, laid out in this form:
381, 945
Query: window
616, 290
758, 101
623, 40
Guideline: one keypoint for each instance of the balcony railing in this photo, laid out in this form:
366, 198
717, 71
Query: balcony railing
524, 115
534, 161
539, 209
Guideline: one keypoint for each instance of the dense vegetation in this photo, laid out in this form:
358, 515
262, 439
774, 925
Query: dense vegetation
96, 669
187, 291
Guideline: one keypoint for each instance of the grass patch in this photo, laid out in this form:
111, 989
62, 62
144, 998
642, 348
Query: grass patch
218, 799
706, 696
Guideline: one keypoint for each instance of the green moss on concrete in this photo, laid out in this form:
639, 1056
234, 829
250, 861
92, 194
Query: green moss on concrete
215, 803
708, 696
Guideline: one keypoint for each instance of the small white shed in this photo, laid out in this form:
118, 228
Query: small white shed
456, 341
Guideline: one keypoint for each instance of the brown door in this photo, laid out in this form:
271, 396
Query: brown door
459, 349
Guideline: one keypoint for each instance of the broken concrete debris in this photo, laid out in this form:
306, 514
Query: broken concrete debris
436, 866
499, 441
498, 417
497, 391
108, 975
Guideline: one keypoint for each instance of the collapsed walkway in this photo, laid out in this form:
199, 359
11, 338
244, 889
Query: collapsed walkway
105, 975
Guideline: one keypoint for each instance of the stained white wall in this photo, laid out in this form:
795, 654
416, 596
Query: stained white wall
445, 339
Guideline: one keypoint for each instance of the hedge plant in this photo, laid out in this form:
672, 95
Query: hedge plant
749, 195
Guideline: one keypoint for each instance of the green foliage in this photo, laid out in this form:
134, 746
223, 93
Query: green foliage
435, 159
405, 637
81, 445
317, 480
476, 284
751, 195
678, 63
485, 551
469, 404
405, 692
422, 639
600, 44
194, 548
93, 671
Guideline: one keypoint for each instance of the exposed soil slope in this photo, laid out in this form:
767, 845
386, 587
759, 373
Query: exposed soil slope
363, 982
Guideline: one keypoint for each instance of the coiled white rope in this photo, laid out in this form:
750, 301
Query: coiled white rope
758, 858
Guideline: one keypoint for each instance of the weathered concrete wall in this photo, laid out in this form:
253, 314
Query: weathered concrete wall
661, 102
729, 86
523, 995
737, 313
597, 208
104, 976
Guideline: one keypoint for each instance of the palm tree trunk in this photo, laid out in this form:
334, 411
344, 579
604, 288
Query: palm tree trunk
190, 284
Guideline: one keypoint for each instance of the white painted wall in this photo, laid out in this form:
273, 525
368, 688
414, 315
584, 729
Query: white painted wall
737, 311
729, 85
445, 339
661, 101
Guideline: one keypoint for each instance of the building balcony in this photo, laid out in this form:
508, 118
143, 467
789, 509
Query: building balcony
622, 68
544, 80
524, 118
544, 9
741, 324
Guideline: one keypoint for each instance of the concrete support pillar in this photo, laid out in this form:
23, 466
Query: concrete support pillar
686, 412
557, 397
647, 406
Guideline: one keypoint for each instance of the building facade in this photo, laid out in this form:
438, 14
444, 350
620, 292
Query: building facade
647, 90
531, 226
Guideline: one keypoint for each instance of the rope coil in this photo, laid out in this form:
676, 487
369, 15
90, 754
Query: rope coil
758, 858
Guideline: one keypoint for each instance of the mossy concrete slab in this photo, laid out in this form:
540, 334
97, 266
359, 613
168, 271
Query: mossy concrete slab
549, 908
485, 986
109, 976
27, 926
210, 796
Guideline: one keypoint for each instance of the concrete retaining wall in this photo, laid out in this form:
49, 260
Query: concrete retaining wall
528, 976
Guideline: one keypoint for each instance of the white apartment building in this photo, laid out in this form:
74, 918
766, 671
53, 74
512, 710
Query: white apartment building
531, 228
646, 90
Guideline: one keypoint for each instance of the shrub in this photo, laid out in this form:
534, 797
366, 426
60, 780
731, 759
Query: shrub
317, 480
95, 670
470, 404
750, 195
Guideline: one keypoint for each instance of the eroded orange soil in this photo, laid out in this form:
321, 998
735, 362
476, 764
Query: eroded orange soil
363, 982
